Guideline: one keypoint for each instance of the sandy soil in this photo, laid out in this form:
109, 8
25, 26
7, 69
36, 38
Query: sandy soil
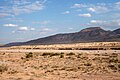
65, 51
75, 46
59, 64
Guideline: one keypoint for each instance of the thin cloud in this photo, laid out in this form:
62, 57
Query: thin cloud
10, 25
14, 19
66, 12
13, 31
45, 30
32, 29
17, 7
85, 15
97, 21
44, 1
91, 9
78, 5
107, 24
70, 28
26, 29
27, 8
3, 14
23, 29
117, 5
98, 9
42, 22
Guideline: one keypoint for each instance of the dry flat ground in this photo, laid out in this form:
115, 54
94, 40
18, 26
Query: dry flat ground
59, 65
80, 61
75, 46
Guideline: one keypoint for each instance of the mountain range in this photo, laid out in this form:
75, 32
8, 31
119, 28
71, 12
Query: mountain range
92, 34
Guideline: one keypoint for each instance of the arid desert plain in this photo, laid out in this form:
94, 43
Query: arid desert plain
80, 61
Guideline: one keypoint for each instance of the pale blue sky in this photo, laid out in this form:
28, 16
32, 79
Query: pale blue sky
23, 20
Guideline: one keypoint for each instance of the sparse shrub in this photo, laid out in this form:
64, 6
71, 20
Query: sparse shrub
105, 59
65, 49
46, 54
36, 48
62, 52
48, 71
22, 57
3, 68
110, 65
113, 67
19, 79
114, 55
113, 60
78, 56
88, 64
28, 48
105, 54
119, 66
71, 69
97, 54
61, 56
84, 58
54, 54
70, 54
29, 55
50, 54
13, 72
3, 54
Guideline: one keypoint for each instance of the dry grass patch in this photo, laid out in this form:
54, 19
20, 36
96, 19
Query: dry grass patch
3, 68
58, 65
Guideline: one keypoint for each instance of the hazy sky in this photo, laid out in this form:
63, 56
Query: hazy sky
22, 20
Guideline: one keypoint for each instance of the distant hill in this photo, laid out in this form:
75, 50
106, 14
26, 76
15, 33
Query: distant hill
92, 34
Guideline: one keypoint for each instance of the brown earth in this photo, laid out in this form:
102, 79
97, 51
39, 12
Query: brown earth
61, 65
75, 46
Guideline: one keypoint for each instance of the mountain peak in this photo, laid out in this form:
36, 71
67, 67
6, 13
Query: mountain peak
92, 34
91, 29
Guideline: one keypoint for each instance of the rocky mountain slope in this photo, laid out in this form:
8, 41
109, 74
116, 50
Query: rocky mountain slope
92, 34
